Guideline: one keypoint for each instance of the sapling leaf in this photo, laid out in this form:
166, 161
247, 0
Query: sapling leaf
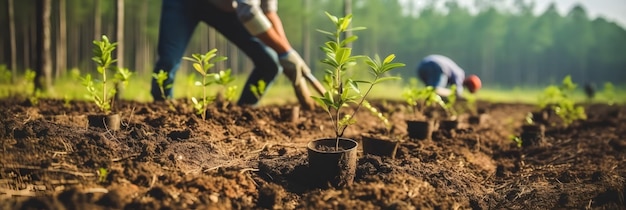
348, 40
379, 80
259, 89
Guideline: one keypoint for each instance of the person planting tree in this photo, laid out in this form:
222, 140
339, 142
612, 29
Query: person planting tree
251, 25
441, 72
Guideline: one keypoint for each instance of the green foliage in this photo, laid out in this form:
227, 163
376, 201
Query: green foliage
5, 74
259, 89
123, 75
29, 79
100, 93
191, 82
517, 140
450, 103
202, 63
380, 116
66, 101
103, 173
559, 99
529, 118
343, 90
609, 92
471, 104
160, 79
420, 99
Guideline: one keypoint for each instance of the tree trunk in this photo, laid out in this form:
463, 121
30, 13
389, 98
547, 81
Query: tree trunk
141, 55
61, 49
43, 69
306, 35
13, 47
97, 21
119, 35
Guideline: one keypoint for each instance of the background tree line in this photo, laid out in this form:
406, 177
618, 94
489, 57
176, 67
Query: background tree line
503, 41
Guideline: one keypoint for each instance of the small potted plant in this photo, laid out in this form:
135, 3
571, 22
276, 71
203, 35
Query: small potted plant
558, 101
450, 121
101, 94
420, 126
333, 159
608, 92
380, 144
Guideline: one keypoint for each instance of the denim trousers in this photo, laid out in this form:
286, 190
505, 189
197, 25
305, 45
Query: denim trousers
179, 19
431, 74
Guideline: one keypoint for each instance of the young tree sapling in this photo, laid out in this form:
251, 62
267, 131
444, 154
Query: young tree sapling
343, 90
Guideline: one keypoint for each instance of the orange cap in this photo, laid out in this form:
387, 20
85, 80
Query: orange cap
472, 82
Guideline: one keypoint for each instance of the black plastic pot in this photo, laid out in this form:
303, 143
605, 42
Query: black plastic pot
380, 146
448, 125
532, 134
330, 167
110, 121
476, 119
541, 116
420, 129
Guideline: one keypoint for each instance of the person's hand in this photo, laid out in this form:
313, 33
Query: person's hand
294, 68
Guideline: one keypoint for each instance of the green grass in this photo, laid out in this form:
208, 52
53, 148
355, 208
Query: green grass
281, 92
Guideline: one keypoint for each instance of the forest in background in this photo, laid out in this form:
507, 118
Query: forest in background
508, 46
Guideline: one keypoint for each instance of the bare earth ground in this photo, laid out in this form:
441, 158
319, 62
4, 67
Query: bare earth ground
255, 158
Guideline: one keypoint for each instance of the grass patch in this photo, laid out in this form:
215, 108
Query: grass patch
281, 92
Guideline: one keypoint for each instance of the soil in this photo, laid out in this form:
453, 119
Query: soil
255, 158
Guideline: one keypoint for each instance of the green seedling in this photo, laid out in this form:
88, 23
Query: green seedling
517, 140
529, 119
122, 76
101, 94
102, 175
29, 79
191, 82
259, 89
343, 90
559, 99
470, 105
202, 63
609, 93
420, 99
5, 75
380, 116
160, 79
223, 79
66, 100
450, 103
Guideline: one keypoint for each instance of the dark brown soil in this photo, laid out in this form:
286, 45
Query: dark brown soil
251, 158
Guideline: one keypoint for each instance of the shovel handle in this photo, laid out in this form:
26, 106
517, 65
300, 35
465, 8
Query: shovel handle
316, 84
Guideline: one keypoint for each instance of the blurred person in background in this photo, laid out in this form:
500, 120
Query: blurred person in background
441, 72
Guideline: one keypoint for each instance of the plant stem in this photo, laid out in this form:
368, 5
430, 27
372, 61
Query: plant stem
343, 129
104, 86
204, 103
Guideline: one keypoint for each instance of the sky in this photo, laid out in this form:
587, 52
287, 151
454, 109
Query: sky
612, 10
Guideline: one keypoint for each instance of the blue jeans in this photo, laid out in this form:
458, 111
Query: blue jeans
179, 19
431, 74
